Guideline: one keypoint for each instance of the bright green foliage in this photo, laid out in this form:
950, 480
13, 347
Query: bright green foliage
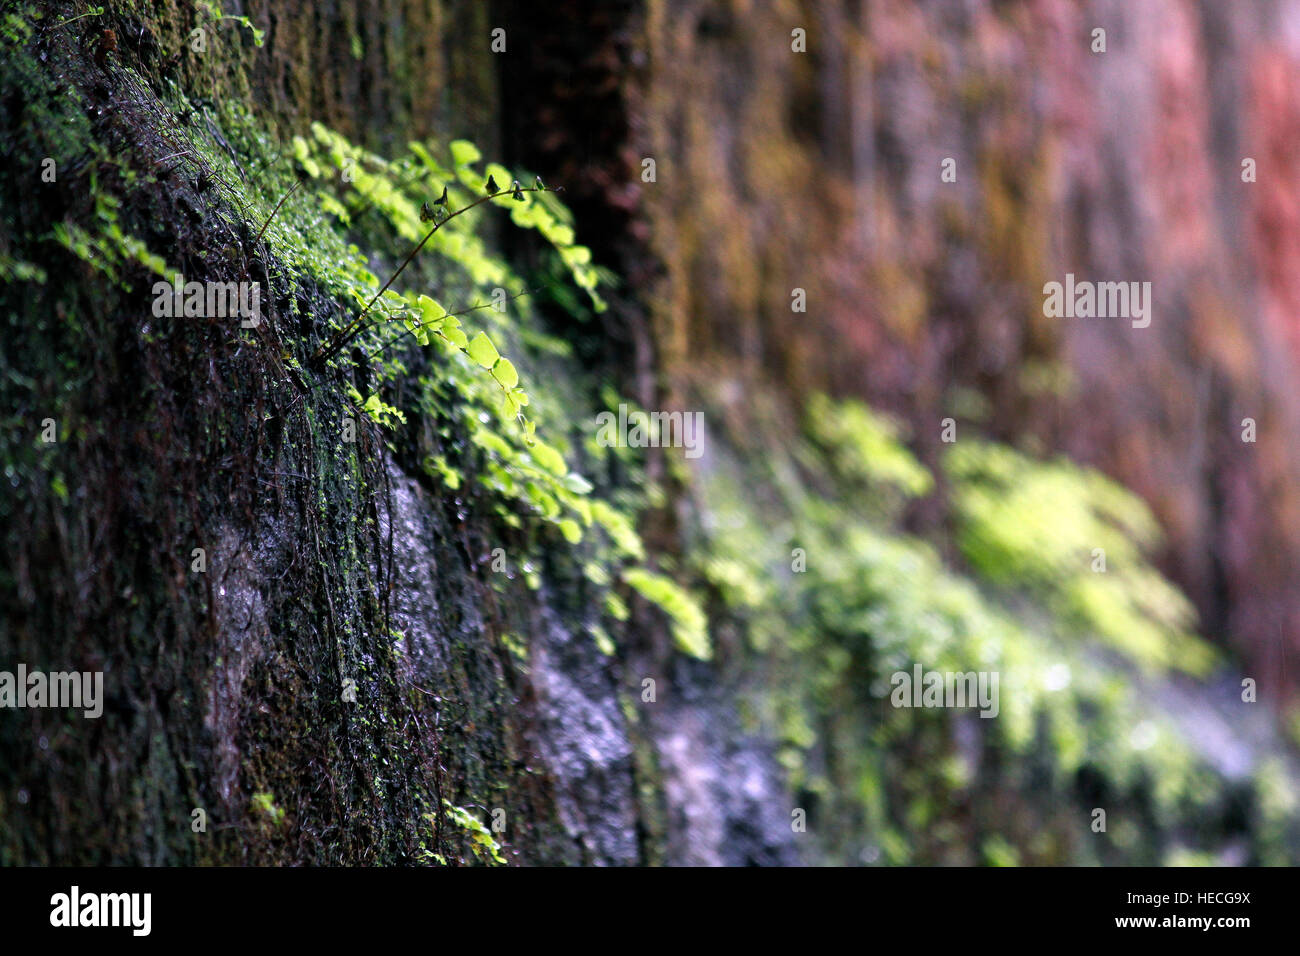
863, 601
503, 370
620, 530
16, 270
106, 247
264, 803
482, 350
863, 446
520, 468
91, 12
484, 846
382, 413
387, 188
1048, 526
471, 391
540, 211
689, 625
213, 9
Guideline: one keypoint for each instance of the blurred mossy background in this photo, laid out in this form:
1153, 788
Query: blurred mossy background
502, 601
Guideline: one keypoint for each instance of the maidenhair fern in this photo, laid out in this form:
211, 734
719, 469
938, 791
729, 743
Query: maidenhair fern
374, 183
435, 206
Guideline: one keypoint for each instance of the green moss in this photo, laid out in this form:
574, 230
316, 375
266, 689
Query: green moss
865, 600
1078, 540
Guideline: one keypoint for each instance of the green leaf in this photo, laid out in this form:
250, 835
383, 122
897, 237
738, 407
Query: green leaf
576, 255
549, 458
619, 528
430, 311
689, 625
492, 442
420, 333
302, 153
482, 350
455, 336
463, 152
504, 372
577, 484
432, 316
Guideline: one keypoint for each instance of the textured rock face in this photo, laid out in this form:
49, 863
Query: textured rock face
776, 171
345, 667
823, 173
721, 786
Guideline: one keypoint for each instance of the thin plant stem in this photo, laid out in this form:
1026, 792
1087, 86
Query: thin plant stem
277, 209
355, 327
474, 308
